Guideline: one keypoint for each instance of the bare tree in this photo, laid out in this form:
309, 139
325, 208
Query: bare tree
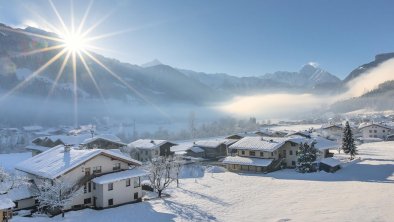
163, 171
55, 195
10, 181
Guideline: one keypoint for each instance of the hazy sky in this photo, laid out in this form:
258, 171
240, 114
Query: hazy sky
235, 37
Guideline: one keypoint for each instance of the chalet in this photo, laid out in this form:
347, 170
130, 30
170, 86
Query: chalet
106, 177
6, 206
146, 149
22, 196
214, 149
188, 150
329, 164
331, 130
374, 130
105, 141
263, 154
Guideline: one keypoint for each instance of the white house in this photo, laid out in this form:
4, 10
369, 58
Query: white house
331, 130
107, 177
374, 130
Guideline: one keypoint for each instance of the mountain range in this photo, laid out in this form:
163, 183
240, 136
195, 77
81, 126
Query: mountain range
152, 81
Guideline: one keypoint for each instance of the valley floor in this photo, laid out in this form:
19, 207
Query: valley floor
361, 191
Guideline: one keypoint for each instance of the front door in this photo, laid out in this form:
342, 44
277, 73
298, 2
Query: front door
94, 201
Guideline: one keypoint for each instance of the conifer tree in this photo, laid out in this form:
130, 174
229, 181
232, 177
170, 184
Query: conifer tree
306, 155
348, 145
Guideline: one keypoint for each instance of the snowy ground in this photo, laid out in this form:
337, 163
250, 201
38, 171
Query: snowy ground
362, 191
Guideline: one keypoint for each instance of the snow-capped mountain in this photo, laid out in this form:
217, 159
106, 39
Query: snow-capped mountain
310, 76
379, 59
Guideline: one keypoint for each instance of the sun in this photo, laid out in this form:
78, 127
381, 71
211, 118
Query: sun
75, 42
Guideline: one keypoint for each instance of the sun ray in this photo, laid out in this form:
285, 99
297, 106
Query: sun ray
91, 28
59, 74
93, 80
41, 50
72, 16
34, 74
75, 88
126, 84
81, 25
65, 29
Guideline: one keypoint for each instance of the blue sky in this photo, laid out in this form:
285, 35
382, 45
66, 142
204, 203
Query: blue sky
236, 37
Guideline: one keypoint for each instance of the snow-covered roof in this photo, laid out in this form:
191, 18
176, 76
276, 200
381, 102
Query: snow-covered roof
259, 143
107, 137
182, 147
330, 125
323, 143
19, 193
363, 125
67, 139
118, 176
56, 161
210, 143
196, 149
37, 147
247, 161
147, 144
6, 203
331, 161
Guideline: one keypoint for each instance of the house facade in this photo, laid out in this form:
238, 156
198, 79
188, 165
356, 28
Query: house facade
375, 130
81, 168
146, 149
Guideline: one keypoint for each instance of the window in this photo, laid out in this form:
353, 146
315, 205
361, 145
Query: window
261, 153
116, 167
137, 182
383, 131
96, 169
293, 163
127, 182
85, 188
272, 154
252, 153
94, 186
370, 131
89, 187
146, 152
135, 196
375, 131
87, 201
293, 144
243, 152
16, 204
110, 202
290, 152
110, 186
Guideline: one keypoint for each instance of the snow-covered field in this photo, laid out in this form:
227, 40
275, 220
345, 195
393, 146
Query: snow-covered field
362, 191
